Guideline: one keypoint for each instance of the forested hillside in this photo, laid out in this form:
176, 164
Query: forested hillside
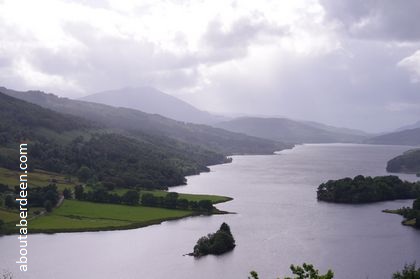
409, 162
137, 124
72, 145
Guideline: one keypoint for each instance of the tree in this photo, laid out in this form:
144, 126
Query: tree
48, 206
131, 197
148, 199
416, 204
409, 272
254, 275
2, 229
9, 202
205, 205
170, 200
67, 194
182, 203
78, 192
306, 271
225, 228
84, 173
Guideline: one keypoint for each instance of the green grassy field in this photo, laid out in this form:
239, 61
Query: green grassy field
36, 178
86, 216
190, 197
8, 216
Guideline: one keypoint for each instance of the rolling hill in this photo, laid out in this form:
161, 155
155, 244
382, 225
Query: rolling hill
287, 130
409, 137
138, 124
66, 144
409, 162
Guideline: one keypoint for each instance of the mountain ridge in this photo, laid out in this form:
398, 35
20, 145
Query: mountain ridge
287, 130
137, 123
151, 100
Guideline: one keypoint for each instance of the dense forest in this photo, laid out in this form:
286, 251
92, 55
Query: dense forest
409, 162
71, 145
363, 189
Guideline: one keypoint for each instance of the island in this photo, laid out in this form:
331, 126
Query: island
367, 189
216, 243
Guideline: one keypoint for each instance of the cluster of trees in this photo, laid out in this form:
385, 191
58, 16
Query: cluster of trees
307, 271
217, 243
412, 213
46, 197
363, 189
172, 200
101, 195
410, 271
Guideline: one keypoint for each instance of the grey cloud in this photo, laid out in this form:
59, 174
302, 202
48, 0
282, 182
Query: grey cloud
354, 88
381, 20
232, 43
240, 34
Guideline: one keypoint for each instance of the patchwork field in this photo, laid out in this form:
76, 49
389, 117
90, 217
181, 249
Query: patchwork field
87, 216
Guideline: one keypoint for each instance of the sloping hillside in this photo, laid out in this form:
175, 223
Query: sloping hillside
71, 145
406, 137
137, 124
409, 162
151, 100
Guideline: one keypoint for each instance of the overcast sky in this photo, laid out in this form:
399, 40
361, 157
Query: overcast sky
351, 63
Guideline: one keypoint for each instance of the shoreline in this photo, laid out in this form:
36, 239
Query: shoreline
119, 228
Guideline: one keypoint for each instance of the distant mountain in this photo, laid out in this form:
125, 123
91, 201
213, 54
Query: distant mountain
409, 162
151, 100
406, 137
408, 127
287, 130
137, 124
338, 130
65, 144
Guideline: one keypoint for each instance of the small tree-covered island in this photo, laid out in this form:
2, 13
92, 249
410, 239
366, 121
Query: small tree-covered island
368, 189
216, 243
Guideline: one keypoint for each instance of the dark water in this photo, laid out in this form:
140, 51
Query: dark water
278, 222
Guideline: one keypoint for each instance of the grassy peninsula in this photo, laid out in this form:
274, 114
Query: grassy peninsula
57, 206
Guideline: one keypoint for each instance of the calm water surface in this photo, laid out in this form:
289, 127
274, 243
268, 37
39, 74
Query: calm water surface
278, 222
